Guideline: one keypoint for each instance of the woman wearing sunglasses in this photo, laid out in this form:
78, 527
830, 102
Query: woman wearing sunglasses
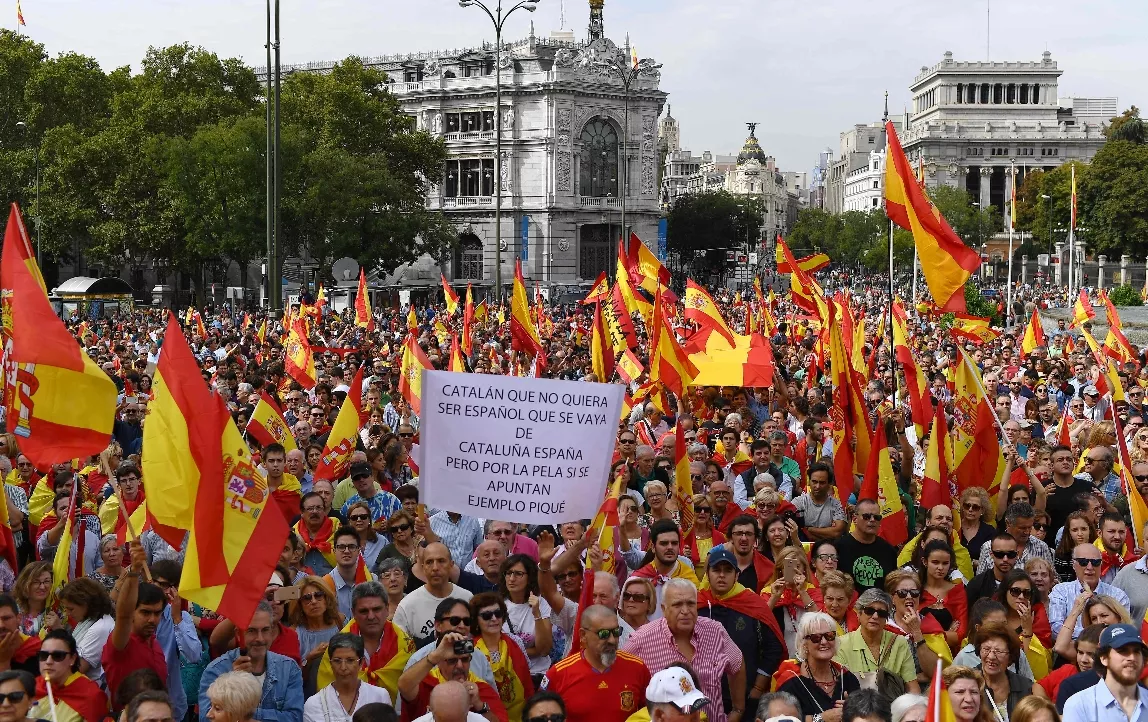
1027, 617
873, 647
1139, 450
703, 536
315, 618
17, 690
371, 543
403, 543
637, 601
1078, 529
78, 699
925, 637
975, 530
506, 654
817, 681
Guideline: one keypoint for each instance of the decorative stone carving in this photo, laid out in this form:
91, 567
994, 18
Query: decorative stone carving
432, 68
563, 245
435, 122
566, 58
986, 170
563, 118
504, 168
507, 119
565, 170
647, 155
504, 61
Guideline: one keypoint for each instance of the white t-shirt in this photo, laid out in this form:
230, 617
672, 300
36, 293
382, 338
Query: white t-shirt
415, 613
470, 717
90, 645
324, 706
520, 621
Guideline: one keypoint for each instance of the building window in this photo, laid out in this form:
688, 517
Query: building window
598, 163
469, 177
974, 151
984, 93
468, 263
1010, 95
960, 92
876, 185
1024, 93
874, 202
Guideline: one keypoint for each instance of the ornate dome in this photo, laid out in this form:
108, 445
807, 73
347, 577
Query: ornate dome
751, 149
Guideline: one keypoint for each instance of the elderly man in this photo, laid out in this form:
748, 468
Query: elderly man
302, 433
778, 704
280, 678
643, 471
1098, 472
386, 645
317, 531
1086, 562
652, 426
1019, 518
725, 508
488, 557
715, 656
747, 619
599, 682
448, 663
297, 467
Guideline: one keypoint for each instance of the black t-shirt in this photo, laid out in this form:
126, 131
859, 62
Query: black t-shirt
976, 545
813, 699
1062, 502
866, 563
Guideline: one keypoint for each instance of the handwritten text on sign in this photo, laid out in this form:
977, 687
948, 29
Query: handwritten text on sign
516, 449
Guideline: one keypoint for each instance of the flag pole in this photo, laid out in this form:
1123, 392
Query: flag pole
892, 295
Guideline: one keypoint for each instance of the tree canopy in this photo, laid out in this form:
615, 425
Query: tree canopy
166, 166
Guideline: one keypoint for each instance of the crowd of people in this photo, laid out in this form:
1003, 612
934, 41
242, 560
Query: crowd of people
781, 601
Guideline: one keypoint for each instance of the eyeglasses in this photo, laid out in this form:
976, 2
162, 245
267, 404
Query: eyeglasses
13, 697
870, 516
972, 507
455, 621
1004, 555
606, 633
818, 637
626, 441
707, 510
695, 477
556, 717
827, 557
908, 593
346, 547
313, 510
1020, 592
490, 615
359, 517
1086, 562
875, 612
57, 655
514, 574
397, 528
574, 574
311, 597
635, 597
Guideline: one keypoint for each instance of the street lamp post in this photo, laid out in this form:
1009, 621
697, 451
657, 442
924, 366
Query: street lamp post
498, 18
626, 65
23, 128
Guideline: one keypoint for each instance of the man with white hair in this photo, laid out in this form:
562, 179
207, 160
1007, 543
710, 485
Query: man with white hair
659, 644
651, 426
296, 465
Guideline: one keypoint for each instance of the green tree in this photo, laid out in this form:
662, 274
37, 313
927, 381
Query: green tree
1125, 295
701, 227
816, 230
1128, 126
1113, 199
974, 225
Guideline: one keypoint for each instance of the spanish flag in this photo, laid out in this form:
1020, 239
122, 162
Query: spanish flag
940, 707
298, 360
601, 350
1033, 335
880, 485
850, 422
363, 316
200, 476
646, 271
59, 404
261, 335
467, 322
267, 426
935, 489
669, 364
523, 335
62, 569
1136, 506
412, 319
920, 406
809, 264
946, 261
683, 485
974, 328
456, 362
341, 442
630, 300
806, 292
599, 292
629, 367
414, 361
449, 295
976, 452
619, 323
1082, 309
700, 308
482, 311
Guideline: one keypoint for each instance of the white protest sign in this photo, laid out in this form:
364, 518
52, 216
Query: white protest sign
516, 449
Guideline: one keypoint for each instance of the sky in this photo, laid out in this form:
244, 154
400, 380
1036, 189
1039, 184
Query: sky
804, 71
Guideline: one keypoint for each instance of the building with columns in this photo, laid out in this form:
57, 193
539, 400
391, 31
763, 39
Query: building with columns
972, 122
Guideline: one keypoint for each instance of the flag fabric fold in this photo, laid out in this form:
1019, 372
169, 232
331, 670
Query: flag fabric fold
414, 362
880, 485
363, 316
344, 436
669, 364
450, 296
524, 336
267, 425
701, 309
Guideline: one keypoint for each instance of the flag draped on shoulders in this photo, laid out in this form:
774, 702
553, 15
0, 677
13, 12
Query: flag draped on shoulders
58, 403
946, 262
200, 476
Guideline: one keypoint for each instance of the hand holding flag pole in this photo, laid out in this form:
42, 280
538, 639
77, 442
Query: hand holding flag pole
132, 536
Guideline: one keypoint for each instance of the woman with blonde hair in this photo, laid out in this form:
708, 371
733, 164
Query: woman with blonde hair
837, 600
1139, 446
975, 531
657, 495
819, 683
315, 617
31, 594
1042, 573
703, 536
791, 592
965, 687
233, 697
637, 601
1034, 709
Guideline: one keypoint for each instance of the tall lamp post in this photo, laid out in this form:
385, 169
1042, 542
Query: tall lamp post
274, 172
23, 128
498, 17
624, 63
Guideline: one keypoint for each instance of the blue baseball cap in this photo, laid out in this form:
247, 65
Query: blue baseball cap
720, 554
1116, 636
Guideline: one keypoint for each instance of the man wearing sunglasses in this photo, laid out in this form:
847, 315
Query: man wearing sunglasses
601, 683
451, 665
861, 553
453, 616
1003, 552
1019, 518
1086, 562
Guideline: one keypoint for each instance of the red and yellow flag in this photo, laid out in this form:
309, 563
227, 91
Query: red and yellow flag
977, 459
599, 292
298, 360
59, 404
700, 308
524, 336
450, 296
601, 350
267, 426
619, 324
363, 316
456, 362
683, 485
629, 367
920, 406
974, 328
881, 485
632, 302
851, 439
646, 271
1033, 335
467, 322
809, 264
935, 489
806, 292
940, 707
1082, 309
669, 364
946, 262
199, 476
414, 361
344, 436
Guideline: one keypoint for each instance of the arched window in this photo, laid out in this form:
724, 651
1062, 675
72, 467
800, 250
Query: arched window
468, 263
598, 166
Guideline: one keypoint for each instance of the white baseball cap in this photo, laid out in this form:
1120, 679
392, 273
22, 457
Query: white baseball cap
674, 685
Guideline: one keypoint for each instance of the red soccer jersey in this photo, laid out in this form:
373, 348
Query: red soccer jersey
593, 696
138, 653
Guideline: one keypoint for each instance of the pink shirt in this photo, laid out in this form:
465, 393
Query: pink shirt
524, 545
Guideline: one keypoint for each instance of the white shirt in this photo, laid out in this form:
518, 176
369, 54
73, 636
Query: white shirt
324, 706
470, 717
90, 645
415, 613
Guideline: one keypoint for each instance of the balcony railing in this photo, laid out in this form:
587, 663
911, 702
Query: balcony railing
471, 135
468, 201
589, 202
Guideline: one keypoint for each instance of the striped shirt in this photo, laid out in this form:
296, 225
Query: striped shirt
461, 537
715, 655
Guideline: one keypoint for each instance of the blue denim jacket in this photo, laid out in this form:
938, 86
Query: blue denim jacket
282, 688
